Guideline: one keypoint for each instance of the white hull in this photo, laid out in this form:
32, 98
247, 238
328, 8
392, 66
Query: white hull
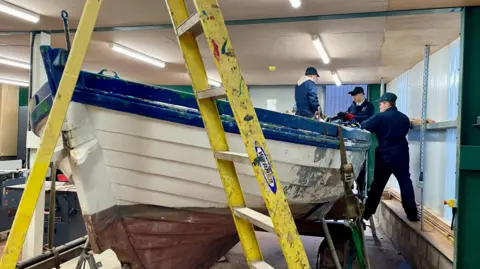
122, 159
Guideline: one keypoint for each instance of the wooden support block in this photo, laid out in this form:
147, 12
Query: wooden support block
9, 96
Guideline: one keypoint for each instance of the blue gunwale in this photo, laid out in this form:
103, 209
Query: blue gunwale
156, 102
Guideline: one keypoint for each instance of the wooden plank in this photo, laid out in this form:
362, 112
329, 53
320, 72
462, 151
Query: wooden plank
232, 156
257, 219
260, 265
4, 235
192, 25
9, 95
431, 218
215, 93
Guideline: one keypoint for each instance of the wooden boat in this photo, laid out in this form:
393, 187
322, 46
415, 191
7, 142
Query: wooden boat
146, 177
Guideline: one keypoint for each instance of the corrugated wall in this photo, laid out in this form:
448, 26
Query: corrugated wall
440, 160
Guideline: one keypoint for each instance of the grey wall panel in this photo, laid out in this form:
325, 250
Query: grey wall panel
22, 132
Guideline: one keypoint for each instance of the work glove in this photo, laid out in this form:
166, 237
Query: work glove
345, 116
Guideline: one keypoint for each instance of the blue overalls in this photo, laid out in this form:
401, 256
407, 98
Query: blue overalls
391, 157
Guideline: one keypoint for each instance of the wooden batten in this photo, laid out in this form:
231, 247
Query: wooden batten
9, 96
431, 218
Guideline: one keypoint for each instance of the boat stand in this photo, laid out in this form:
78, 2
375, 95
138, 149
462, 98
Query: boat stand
352, 248
87, 258
344, 244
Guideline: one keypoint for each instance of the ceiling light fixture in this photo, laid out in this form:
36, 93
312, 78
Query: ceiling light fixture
14, 63
214, 83
137, 55
320, 48
18, 12
296, 3
13, 82
336, 78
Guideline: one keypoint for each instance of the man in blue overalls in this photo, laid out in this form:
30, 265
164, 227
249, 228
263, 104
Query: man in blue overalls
391, 156
306, 98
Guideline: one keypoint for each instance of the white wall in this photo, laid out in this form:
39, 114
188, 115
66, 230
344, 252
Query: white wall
284, 96
441, 106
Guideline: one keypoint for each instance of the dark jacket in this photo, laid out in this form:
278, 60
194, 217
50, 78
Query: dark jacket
362, 112
391, 128
306, 97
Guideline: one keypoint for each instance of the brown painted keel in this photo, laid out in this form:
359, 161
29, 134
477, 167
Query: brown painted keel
154, 237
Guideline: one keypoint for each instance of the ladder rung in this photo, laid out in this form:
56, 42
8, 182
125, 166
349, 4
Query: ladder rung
255, 218
261, 265
215, 93
192, 25
232, 156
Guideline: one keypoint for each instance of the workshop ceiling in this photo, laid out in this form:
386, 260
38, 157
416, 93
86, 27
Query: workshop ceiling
362, 50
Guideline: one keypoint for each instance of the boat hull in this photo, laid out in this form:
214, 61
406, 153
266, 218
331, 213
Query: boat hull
153, 237
150, 190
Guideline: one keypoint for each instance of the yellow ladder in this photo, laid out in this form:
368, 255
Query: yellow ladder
187, 28
48, 142
209, 20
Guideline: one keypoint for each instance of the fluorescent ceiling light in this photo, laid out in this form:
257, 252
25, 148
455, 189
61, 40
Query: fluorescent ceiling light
18, 12
320, 49
214, 83
137, 55
296, 3
13, 82
14, 63
336, 79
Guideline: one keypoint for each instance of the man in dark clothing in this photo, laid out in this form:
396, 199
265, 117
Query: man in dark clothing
391, 156
358, 112
306, 98
361, 108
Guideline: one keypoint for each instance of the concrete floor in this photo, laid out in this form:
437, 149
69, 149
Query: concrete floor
382, 254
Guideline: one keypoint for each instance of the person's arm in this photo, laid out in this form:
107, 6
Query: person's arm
369, 111
350, 108
372, 124
313, 97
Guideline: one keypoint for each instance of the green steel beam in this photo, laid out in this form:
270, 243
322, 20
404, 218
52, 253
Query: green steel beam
467, 234
373, 93
387, 13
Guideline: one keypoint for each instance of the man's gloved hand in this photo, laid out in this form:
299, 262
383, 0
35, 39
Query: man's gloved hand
345, 116
341, 115
349, 116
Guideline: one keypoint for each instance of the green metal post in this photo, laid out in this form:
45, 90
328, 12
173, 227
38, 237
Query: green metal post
373, 93
467, 233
